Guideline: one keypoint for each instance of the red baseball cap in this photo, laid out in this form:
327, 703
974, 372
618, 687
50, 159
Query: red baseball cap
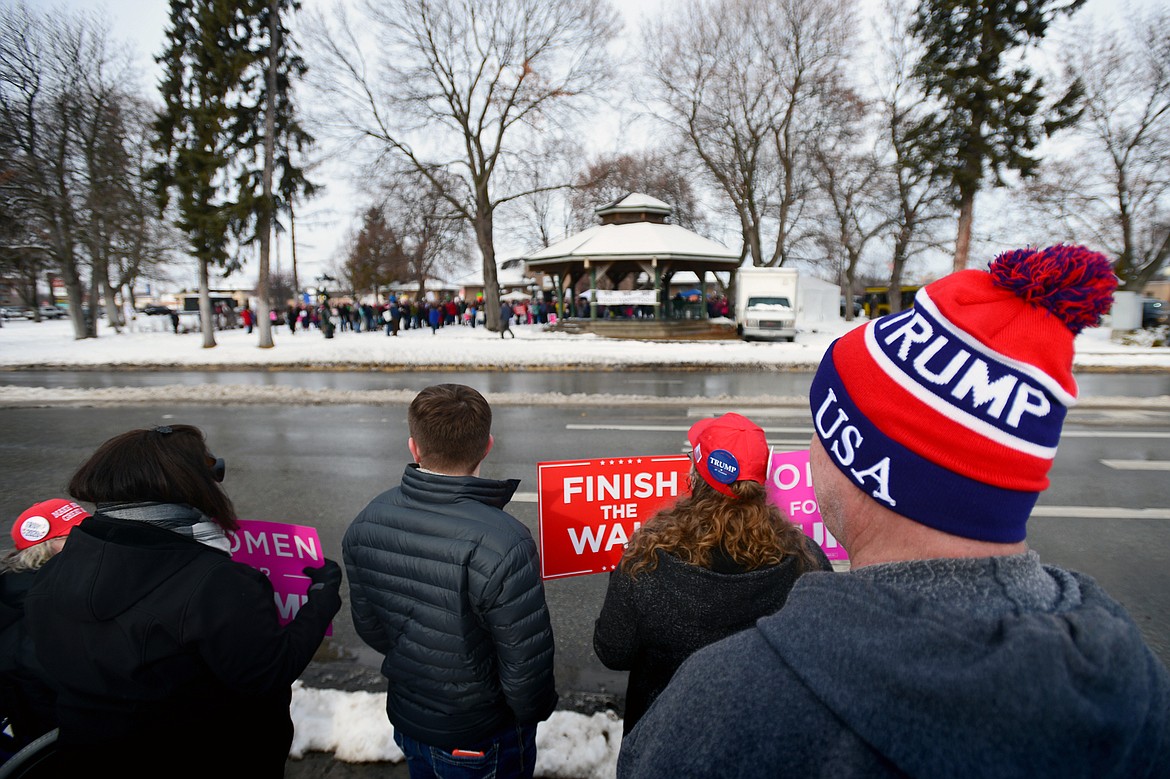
47, 519
728, 449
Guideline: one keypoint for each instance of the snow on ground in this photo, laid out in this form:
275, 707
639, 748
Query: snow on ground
25, 344
353, 725
51, 344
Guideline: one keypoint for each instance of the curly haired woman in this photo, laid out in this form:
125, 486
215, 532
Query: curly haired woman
709, 566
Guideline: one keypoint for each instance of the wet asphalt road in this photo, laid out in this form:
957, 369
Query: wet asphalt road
698, 383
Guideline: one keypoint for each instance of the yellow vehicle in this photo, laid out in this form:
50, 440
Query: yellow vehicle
877, 299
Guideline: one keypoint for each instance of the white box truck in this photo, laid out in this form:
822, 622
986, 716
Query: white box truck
765, 303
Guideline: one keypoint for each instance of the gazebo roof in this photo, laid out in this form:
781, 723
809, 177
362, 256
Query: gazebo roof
635, 203
634, 230
635, 241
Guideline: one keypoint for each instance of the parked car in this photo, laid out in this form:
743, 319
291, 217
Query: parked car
52, 312
16, 312
154, 310
858, 308
1155, 312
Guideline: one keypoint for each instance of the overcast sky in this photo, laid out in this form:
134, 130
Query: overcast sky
323, 223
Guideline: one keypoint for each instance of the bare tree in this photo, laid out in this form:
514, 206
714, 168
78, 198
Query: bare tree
432, 235
113, 176
459, 88
143, 242
23, 247
847, 168
915, 201
739, 81
653, 172
542, 215
49, 66
410, 235
1112, 186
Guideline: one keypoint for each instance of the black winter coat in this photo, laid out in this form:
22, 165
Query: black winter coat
26, 697
170, 656
447, 586
650, 624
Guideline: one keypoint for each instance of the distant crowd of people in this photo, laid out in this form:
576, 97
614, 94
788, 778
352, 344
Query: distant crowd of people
948, 649
398, 314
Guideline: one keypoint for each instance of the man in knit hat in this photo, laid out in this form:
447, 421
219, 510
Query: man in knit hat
948, 649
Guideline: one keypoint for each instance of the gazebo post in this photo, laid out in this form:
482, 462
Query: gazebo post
560, 294
592, 288
657, 289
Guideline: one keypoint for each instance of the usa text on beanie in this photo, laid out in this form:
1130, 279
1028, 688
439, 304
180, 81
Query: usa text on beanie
949, 413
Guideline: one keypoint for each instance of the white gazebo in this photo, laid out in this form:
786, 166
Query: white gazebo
630, 258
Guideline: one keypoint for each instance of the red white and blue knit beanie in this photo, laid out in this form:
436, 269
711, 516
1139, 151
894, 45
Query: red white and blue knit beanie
949, 413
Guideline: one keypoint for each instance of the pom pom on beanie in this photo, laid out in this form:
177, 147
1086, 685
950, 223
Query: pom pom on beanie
1074, 283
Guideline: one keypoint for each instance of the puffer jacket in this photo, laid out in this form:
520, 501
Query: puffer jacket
446, 585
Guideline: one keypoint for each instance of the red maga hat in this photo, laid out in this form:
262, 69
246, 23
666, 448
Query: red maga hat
728, 449
45, 520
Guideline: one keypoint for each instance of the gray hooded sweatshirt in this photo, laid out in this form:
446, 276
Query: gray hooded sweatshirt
992, 667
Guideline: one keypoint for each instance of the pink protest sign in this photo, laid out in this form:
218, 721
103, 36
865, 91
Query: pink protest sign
790, 488
282, 552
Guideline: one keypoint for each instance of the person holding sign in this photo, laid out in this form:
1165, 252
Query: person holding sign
447, 586
948, 649
169, 656
709, 566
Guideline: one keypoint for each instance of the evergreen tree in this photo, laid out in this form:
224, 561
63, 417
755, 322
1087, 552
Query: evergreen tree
990, 117
376, 257
208, 56
269, 126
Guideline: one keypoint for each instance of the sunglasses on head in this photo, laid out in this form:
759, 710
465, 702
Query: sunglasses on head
216, 464
218, 467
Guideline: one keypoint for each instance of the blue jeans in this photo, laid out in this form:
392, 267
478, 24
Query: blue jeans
510, 753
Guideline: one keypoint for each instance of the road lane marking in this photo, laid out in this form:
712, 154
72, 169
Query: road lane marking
808, 430
1099, 512
1063, 512
1137, 465
1115, 434
677, 428
649, 428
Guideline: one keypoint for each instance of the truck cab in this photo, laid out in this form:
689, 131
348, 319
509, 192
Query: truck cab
768, 316
766, 303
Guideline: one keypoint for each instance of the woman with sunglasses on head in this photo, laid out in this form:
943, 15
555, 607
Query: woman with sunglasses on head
708, 566
169, 657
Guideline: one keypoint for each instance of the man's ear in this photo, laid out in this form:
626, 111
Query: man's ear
413, 447
491, 442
